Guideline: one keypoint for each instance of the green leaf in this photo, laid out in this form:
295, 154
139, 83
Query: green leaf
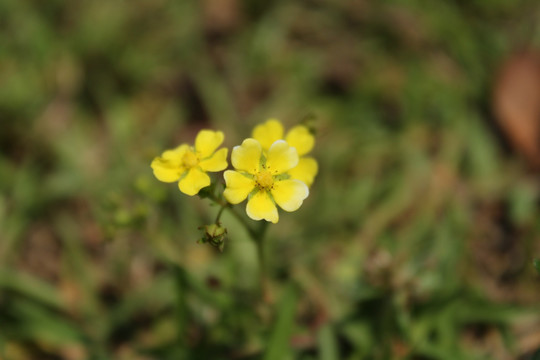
43, 325
278, 346
30, 287
536, 263
328, 349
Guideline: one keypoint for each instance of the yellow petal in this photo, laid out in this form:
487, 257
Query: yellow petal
289, 194
260, 206
268, 132
175, 156
281, 157
166, 171
247, 156
305, 171
238, 186
194, 181
300, 138
216, 162
207, 141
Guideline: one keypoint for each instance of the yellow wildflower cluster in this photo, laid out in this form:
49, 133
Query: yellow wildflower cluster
269, 169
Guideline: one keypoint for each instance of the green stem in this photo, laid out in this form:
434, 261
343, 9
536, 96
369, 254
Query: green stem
257, 235
181, 312
259, 243
218, 216
252, 233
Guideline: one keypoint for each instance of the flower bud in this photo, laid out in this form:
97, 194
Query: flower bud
214, 234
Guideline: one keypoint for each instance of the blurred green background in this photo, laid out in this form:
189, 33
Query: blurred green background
417, 240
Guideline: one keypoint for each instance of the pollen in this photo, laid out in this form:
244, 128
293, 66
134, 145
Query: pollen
190, 159
264, 179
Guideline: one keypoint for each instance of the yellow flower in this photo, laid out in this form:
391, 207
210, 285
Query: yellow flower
188, 165
264, 179
298, 137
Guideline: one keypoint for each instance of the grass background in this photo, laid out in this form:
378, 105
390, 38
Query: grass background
416, 242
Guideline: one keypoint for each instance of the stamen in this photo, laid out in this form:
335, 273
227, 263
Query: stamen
264, 179
190, 159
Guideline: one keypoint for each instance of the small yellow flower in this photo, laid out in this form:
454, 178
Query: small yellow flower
298, 137
264, 179
188, 165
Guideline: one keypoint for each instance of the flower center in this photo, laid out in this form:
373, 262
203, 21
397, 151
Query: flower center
264, 179
190, 159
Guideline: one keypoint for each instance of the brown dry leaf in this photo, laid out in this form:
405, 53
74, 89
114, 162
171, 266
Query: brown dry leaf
41, 253
489, 343
516, 103
527, 332
221, 15
74, 352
